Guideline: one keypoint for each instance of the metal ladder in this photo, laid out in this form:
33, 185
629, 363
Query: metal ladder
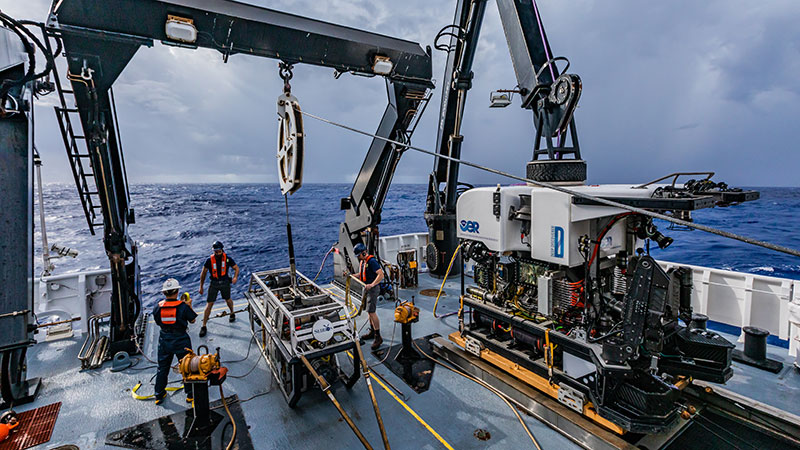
79, 162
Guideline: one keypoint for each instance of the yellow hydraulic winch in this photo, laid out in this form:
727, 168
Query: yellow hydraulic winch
199, 371
198, 367
406, 312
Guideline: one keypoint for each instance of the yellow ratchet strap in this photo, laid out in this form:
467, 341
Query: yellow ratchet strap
147, 397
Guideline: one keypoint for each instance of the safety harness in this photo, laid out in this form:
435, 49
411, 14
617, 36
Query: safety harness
169, 311
223, 266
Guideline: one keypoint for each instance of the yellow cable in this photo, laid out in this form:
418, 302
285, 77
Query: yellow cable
230, 416
549, 350
410, 411
349, 302
449, 266
353, 311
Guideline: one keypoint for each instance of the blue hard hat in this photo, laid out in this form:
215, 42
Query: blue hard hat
217, 245
359, 248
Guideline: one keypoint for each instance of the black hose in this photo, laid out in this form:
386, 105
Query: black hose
7, 85
48, 57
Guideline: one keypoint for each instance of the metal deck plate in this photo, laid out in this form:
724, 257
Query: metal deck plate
416, 371
167, 432
712, 431
35, 427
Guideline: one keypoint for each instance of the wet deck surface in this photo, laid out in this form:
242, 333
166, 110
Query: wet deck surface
95, 403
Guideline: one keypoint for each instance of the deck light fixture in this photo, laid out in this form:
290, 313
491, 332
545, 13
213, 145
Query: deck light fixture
181, 29
382, 65
499, 99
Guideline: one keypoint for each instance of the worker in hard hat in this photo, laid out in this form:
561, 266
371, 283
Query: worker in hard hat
371, 274
219, 264
173, 316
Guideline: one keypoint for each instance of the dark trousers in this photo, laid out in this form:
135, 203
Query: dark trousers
170, 345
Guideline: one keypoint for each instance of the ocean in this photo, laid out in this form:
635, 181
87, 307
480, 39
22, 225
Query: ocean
177, 223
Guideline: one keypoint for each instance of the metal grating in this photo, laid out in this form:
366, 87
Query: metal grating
35, 427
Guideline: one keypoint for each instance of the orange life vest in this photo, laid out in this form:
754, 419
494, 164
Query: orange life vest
169, 311
363, 269
223, 270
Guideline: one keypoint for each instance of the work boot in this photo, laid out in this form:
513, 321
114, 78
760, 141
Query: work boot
232, 318
203, 331
160, 398
368, 336
378, 341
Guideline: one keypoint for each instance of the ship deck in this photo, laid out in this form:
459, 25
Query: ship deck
98, 402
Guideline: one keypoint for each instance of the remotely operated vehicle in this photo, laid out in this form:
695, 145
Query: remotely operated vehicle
566, 288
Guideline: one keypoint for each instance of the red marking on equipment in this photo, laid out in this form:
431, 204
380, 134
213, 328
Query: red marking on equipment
35, 427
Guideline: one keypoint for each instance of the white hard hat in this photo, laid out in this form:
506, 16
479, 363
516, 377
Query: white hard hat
170, 285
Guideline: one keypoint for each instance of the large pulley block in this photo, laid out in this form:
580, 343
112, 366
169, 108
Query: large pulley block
290, 144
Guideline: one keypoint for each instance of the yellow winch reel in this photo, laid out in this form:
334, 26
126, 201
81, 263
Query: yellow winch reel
196, 367
406, 313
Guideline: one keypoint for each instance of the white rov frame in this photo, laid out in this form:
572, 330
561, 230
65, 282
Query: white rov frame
299, 343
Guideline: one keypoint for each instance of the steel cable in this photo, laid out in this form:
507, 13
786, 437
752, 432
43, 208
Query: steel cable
697, 226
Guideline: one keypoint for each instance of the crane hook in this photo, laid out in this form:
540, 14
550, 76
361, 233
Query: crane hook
285, 72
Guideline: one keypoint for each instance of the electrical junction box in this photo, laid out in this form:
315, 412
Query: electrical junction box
557, 224
482, 214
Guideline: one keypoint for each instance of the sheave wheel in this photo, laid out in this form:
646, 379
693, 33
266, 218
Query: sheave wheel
290, 144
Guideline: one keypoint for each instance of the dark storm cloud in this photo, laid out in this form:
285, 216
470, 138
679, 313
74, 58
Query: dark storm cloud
668, 86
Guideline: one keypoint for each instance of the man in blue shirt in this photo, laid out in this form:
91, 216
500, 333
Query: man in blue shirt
371, 274
173, 316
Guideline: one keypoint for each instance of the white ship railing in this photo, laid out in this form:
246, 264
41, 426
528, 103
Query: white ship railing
390, 246
70, 296
746, 300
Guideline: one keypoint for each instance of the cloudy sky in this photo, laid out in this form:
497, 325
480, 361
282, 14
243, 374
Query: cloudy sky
668, 86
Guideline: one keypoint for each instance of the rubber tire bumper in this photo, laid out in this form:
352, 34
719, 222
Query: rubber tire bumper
561, 170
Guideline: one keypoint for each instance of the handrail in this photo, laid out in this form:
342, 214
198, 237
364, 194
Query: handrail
675, 176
